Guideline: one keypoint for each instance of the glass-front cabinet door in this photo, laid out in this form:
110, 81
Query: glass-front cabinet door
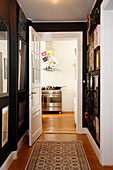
4, 85
4, 60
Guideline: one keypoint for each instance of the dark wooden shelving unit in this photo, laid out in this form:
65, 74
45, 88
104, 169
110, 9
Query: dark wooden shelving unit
92, 91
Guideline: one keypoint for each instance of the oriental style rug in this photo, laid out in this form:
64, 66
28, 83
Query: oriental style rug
58, 155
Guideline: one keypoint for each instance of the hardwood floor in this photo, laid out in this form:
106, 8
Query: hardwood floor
55, 127
59, 123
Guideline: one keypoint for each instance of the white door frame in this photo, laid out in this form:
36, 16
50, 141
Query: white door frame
106, 81
79, 68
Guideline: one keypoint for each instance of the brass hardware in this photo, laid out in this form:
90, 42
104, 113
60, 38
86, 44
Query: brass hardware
33, 92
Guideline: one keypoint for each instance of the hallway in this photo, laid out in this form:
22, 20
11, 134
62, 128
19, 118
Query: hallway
58, 127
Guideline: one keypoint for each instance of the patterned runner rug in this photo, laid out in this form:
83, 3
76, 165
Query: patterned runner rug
58, 155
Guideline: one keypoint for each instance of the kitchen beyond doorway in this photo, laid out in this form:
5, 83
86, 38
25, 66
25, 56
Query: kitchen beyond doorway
76, 102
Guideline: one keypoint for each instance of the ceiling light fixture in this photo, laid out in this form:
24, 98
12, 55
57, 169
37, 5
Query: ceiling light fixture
57, 1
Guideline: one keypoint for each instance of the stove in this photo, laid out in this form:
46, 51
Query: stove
52, 100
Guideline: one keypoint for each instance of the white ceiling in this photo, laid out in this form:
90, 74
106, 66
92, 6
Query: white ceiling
110, 5
57, 10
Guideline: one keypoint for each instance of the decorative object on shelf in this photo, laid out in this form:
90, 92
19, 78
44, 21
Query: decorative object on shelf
91, 82
91, 53
97, 130
87, 38
88, 22
94, 16
88, 59
5, 112
22, 24
87, 80
97, 65
97, 37
94, 122
96, 95
87, 116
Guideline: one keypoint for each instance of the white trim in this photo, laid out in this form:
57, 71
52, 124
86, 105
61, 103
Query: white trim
79, 77
13, 155
22, 140
7, 163
58, 21
106, 92
93, 144
84, 130
93, 5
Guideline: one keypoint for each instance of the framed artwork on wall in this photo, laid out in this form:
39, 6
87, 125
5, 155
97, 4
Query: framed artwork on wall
4, 58
21, 63
22, 24
97, 60
5, 68
5, 115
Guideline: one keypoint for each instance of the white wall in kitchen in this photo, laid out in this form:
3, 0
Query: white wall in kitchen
64, 51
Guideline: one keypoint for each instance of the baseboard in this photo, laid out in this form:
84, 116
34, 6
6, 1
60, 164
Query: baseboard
7, 163
93, 144
84, 130
22, 140
13, 155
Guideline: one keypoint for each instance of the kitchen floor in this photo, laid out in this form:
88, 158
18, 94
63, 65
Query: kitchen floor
59, 123
58, 127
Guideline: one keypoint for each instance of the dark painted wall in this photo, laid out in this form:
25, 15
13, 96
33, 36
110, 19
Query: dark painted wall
9, 13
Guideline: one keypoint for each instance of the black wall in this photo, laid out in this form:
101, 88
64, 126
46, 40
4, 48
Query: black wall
9, 13
61, 27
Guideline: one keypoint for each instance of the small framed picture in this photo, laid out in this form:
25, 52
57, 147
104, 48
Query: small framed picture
96, 95
87, 59
98, 60
87, 80
5, 68
5, 112
91, 82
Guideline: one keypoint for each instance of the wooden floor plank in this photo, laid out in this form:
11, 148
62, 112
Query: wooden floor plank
49, 120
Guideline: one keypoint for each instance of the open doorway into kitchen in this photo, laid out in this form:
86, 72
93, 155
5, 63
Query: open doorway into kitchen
61, 79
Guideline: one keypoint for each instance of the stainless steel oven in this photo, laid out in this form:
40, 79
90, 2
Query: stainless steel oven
52, 100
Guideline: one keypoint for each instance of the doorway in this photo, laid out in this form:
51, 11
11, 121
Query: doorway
59, 43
